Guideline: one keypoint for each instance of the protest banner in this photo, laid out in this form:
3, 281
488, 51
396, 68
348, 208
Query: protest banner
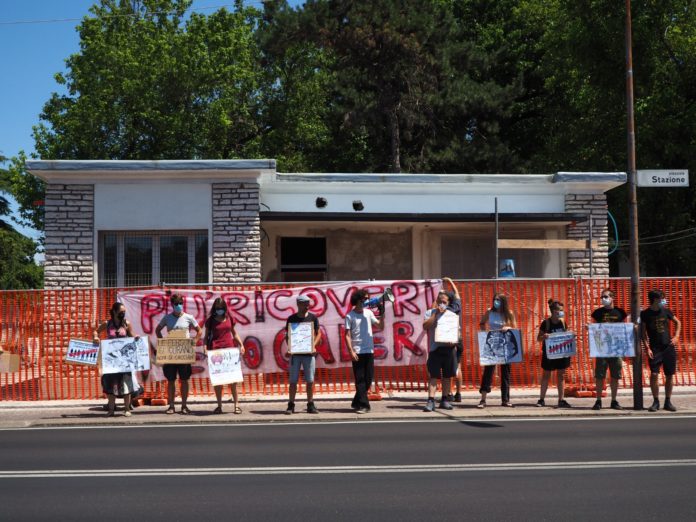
9, 362
175, 350
560, 345
125, 354
611, 340
447, 328
300, 338
498, 347
224, 366
82, 352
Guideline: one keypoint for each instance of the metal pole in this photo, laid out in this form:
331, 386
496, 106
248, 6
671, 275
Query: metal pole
496, 239
590, 245
633, 215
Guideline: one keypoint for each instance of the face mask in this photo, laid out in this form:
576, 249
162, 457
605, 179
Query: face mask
178, 308
561, 315
496, 304
663, 303
121, 316
442, 307
606, 301
220, 312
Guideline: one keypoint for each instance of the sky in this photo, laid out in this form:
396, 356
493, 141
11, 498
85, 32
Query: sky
36, 37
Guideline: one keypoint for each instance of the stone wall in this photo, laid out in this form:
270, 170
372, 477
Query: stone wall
595, 205
69, 236
236, 233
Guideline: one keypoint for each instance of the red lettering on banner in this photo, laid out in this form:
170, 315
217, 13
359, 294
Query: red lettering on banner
201, 309
343, 352
272, 304
343, 305
318, 304
236, 301
429, 294
258, 306
404, 294
151, 306
402, 340
253, 352
279, 349
380, 350
323, 348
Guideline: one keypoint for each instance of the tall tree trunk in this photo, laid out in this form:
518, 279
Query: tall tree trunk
395, 163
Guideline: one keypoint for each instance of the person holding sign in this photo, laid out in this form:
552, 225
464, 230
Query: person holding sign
302, 340
608, 313
116, 384
177, 320
220, 334
660, 346
553, 324
442, 354
498, 317
360, 342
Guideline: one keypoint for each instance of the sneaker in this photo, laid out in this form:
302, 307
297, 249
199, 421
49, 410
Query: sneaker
430, 405
615, 405
597, 405
669, 406
541, 403
446, 405
507, 404
457, 397
127, 413
362, 411
481, 404
564, 404
655, 405
311, 408
291, 408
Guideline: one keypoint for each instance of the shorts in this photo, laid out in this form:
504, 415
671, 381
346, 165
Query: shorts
170, 371
550, 365
665, 356
308, 364
614, 364
442, 360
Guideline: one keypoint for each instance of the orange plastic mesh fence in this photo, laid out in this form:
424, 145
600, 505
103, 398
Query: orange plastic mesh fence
38, 325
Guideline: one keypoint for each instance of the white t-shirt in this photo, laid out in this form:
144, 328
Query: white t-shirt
183, 322
360, 327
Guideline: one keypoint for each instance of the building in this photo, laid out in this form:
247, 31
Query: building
132, 223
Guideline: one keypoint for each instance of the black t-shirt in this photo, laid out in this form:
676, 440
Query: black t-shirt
549, 327
657, 325
310, 318
609, 315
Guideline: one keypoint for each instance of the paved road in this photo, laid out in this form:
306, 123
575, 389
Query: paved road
624, 468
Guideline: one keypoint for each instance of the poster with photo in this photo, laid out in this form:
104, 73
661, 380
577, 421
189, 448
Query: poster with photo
500, 347
125, 355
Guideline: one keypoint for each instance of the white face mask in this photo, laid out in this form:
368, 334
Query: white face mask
663, 303
606, 301
561, 315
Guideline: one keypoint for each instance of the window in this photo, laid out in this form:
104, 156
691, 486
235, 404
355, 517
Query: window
143, 259
303, 258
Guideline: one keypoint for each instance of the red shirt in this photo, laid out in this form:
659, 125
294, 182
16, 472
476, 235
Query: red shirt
221, 334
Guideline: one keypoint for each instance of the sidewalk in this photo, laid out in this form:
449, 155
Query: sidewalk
396, 406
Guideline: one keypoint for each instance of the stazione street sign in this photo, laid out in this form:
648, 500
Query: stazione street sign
663, 178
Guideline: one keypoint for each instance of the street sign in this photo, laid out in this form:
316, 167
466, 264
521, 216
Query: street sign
663, 178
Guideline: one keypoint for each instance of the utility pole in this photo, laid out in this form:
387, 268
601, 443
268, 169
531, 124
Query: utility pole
633, 216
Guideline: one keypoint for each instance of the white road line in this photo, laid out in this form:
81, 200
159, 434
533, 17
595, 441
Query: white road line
342, 470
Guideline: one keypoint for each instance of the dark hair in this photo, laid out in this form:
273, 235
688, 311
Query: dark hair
218, 303
554, 305
358, 296
176, 299
655, 294
114, 308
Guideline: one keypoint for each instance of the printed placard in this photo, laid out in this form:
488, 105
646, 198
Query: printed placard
125, 354
498, 347
177, 350
300, 337
560, 345
82, 352
447, 328
224, 366
611, 340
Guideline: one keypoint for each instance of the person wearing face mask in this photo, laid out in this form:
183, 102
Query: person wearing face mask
220, 333
550, 325
177, 320
497, 317
608, 313
117, 384
306, 362
660, 346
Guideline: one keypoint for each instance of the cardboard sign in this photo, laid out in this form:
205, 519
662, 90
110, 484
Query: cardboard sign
9, 362
224, 366
560, 345
300, 338
447, 328
82, 352
125, 354
498, 347
611, 340
177, 350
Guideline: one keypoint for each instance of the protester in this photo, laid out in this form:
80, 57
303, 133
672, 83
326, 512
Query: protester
498, 317
660, 347
442, 357
220, 333
117, 384
455, 306
360, 342
553, 324
178, 320
305, 361
608, 313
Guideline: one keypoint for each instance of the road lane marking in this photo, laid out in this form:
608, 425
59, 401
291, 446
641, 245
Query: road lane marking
344, 470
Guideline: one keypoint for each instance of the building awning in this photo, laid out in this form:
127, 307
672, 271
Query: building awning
374, 217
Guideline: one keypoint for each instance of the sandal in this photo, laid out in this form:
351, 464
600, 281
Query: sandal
481, 404
170, 410
185, 410
217, 410
237, 410
507, 404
